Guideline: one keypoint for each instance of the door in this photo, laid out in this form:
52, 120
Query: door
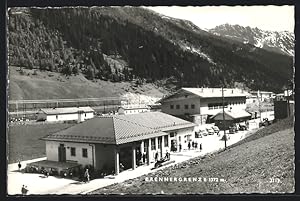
62, 153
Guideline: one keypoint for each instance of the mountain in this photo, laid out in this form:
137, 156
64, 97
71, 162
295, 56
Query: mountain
282, 41
136, 45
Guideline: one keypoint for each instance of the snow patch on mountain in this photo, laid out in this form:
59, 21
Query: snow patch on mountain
282, 41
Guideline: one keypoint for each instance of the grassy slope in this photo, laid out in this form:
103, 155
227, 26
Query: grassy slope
247, 168
42, 86
24, 143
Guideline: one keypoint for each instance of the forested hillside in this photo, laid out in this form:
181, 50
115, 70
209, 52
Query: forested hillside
130, 43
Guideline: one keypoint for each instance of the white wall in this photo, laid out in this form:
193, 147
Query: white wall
52, 152
69, 117
165, 107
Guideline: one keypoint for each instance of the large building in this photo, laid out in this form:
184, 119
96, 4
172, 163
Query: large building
65, 114
202, 103
105, 142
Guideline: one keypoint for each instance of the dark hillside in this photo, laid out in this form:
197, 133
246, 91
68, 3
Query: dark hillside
122, 44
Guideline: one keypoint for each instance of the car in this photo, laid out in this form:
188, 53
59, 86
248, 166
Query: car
203, 132
210, 131
216, 129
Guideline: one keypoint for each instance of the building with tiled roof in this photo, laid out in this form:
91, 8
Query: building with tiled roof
65, 114
104, 142
202, 103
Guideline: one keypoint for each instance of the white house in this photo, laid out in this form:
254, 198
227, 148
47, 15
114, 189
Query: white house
105, 142
65, 114
133, 109
202, 103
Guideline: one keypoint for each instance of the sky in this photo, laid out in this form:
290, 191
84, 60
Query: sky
271, 18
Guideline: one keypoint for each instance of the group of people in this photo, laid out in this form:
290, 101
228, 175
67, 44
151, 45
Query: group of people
24, 190
193, 145
167, 156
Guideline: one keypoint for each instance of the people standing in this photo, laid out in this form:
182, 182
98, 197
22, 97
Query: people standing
180, 147
156, 156
24, 190
19, 166
193, 144
87, 175
200, 146
189, 145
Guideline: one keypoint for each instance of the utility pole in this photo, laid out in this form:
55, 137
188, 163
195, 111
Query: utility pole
225, 137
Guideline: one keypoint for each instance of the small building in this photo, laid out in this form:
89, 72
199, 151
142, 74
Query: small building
202, 103
284, 105
262, 96
65, 114
230, 117
106, 142
133, 109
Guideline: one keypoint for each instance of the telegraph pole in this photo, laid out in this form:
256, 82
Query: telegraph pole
225, 137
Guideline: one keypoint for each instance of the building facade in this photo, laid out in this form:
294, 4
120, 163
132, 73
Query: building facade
202, 103
65, 114
107, 142
133, 109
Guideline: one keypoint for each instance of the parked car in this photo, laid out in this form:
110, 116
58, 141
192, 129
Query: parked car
203, 132
210, 131
216, 129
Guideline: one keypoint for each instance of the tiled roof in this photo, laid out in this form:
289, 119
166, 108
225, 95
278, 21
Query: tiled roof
217, 92
121, 129
233, 114
66, 110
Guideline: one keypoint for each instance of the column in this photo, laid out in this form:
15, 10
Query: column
162, 145
117, 163
148, 152
142, 150
133, 156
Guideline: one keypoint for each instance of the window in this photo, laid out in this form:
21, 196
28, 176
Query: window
172, 134
193, 106
186, 107
177, 106
171, 107
84, 153
153, 144
166, 140
73, 151
179, 138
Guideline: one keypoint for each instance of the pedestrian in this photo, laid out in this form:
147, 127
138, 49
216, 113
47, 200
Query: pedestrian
193, 144
156, 156
189, 145
180, 147
23, 190
26, 190
19, 166
200, 146
87, 175
167, 157
196, 145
